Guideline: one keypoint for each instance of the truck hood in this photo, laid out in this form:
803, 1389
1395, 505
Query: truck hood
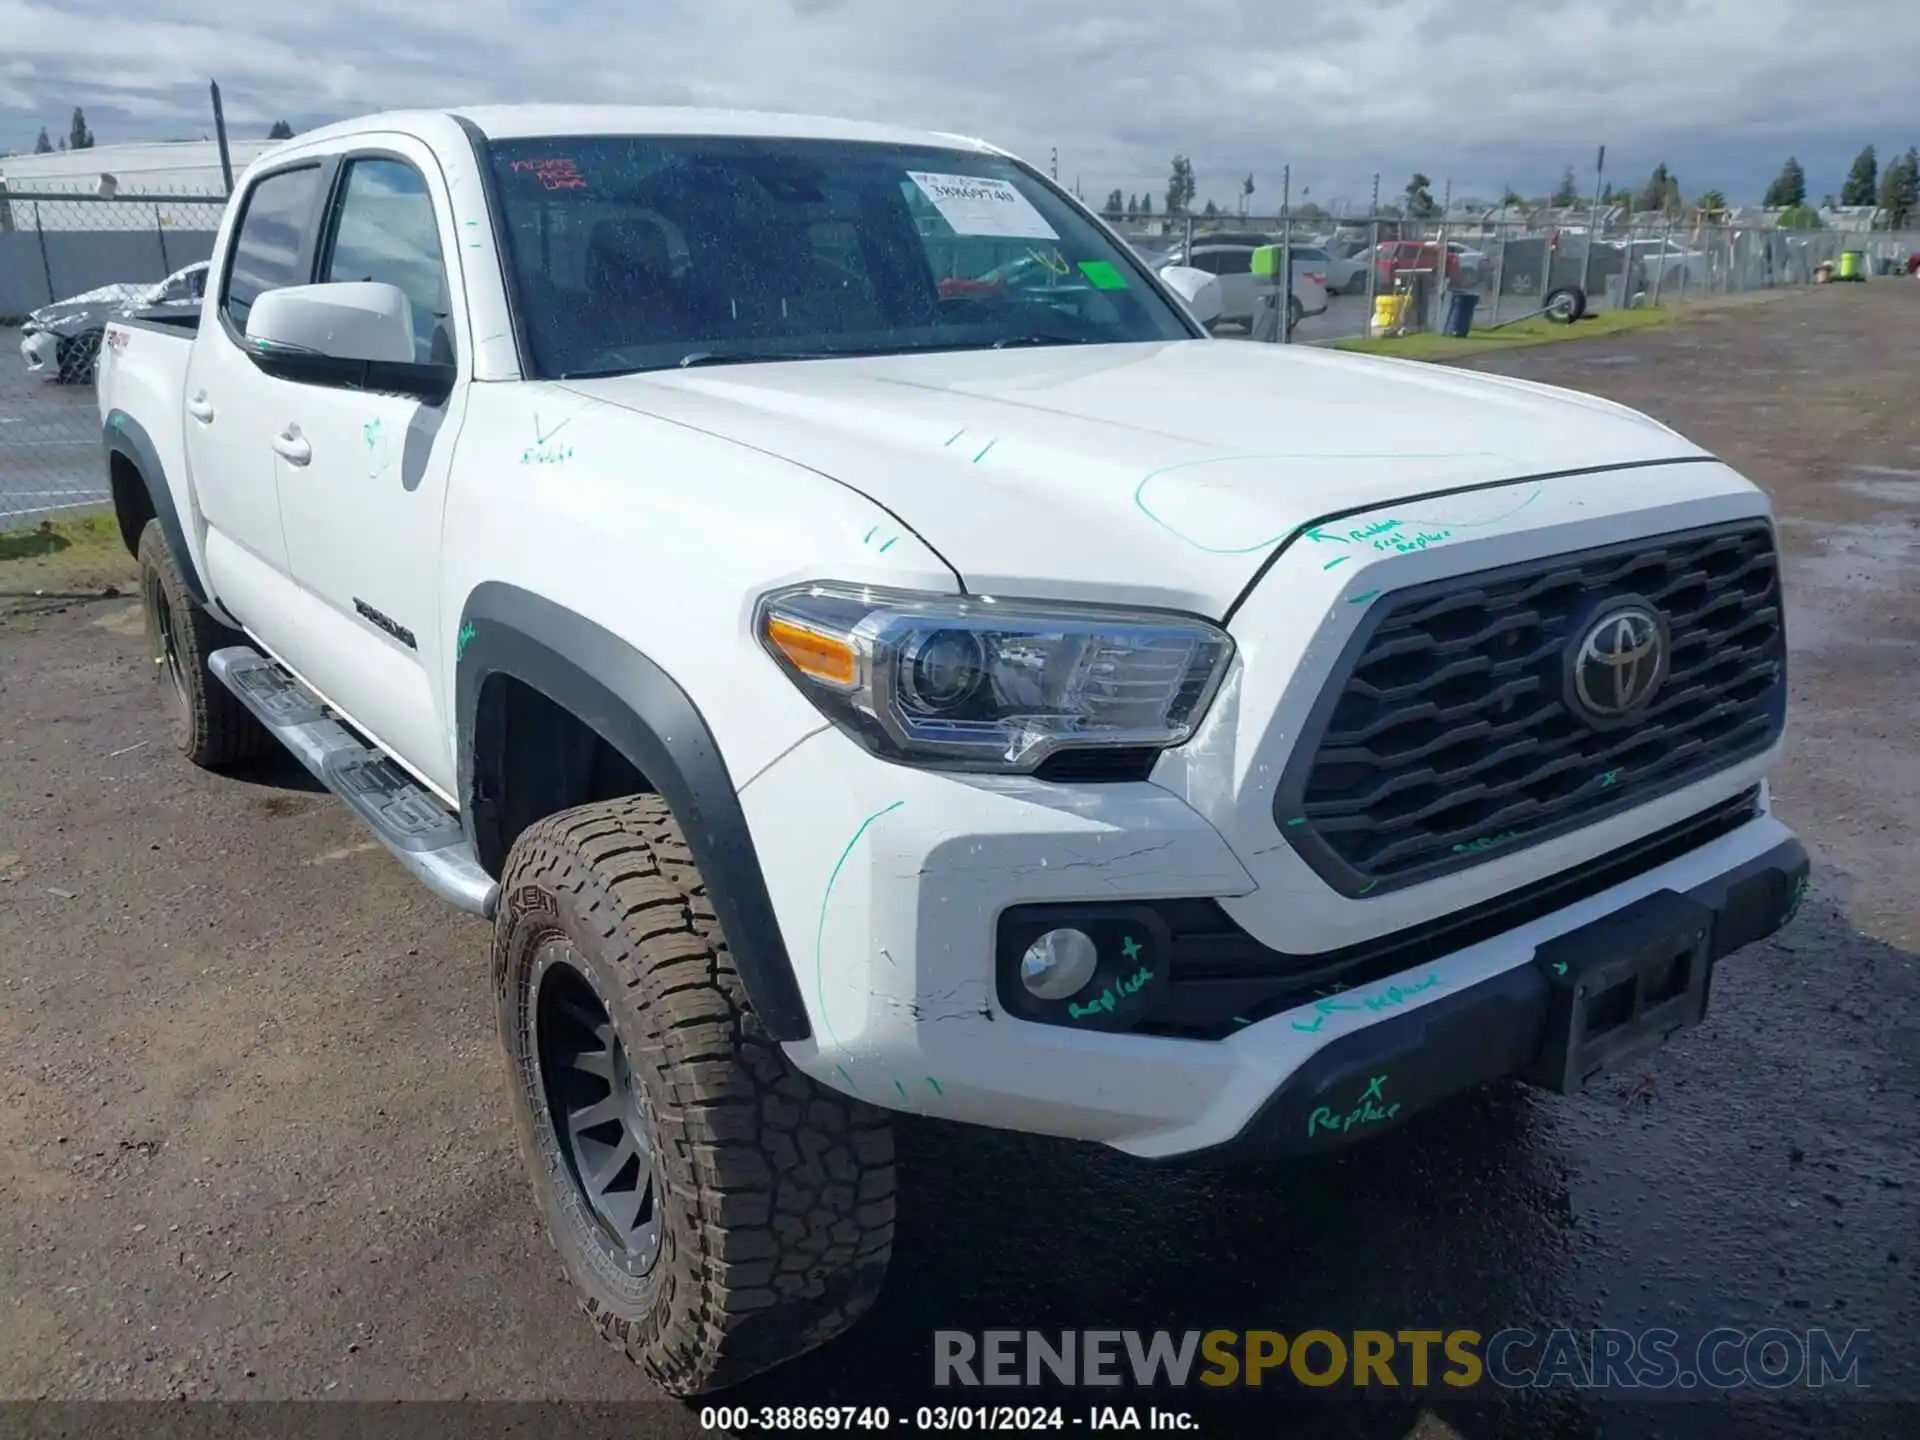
1167, 470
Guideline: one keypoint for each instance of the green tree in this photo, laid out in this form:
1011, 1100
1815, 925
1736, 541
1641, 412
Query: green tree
79, 137
1900, 189
1511, 199
43, 145
1116, 205
1146, 206
1568, 190
1419, 193
1211, 210
1180, 186
1246, 194
1133, 207
1661, 192
1711, 202
1789, 187
281, 131
1800, 217
1862, 186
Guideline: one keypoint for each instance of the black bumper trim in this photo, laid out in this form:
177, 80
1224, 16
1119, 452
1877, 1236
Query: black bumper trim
1375, 1078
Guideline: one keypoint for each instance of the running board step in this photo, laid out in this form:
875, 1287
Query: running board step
421, 832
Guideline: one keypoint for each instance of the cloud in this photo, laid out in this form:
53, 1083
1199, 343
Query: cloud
1485, 92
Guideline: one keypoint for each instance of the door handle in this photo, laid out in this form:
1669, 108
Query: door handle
201, 408
291, 446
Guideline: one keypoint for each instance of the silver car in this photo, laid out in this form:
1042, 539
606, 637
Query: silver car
63, 339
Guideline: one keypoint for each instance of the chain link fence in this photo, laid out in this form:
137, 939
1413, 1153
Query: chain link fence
54, 248
1510, 268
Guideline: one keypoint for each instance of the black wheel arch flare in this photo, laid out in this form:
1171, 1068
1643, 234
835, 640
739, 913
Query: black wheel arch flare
126, 437
639, 710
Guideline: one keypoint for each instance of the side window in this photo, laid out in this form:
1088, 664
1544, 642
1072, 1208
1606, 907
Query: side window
1207, 260
385, 230
266, 251
1235, 262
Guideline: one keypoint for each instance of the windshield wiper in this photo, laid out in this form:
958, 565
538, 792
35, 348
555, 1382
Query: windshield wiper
737, 357
1009, 341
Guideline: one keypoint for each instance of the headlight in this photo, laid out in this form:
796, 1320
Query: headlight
972, 683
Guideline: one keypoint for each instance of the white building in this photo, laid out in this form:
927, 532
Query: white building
123, 174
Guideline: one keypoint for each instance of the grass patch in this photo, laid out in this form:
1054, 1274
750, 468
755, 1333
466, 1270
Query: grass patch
75, 558
1517, 336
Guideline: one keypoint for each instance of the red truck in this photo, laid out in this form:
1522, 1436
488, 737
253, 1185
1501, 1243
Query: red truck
1391, 257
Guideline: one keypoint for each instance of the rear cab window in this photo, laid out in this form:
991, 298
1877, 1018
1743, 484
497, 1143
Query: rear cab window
643, 252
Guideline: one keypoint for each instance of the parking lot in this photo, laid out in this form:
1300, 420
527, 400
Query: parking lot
254, 1140
49, 443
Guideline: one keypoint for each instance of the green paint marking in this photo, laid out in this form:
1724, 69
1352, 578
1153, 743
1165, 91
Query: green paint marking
1606, 780
983, 450
953, 437
1368, 886
489, 339
462, 640
1559, 967
1337, 560
867, 538
1370, 1109
1485, 842
841, 1071
1241, 1020
1103, 275
1130, 947
541, 438
936, 1085
901, 1088
820, 929
1109, 998
889, 545
1363, 597
1298, 820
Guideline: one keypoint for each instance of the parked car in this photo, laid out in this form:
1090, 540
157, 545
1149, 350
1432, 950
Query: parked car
1343, 275
63, 339
775, 652
1392, 258
1672, 264
1241, 290
1470, 265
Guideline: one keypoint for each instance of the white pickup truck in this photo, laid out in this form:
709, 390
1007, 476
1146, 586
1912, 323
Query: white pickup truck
859, 673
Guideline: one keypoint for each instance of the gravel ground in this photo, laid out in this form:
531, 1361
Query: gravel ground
254, 1140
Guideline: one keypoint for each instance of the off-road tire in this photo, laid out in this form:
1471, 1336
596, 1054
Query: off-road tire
209, 724
78, 358
777, 1194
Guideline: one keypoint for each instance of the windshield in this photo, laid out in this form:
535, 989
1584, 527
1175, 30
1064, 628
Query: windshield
640, 253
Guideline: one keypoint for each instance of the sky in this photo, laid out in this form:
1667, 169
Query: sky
1486, 94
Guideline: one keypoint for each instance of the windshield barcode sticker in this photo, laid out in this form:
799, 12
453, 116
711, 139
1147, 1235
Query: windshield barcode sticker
973, 206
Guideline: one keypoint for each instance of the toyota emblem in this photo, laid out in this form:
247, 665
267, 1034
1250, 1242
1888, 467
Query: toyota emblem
1619, 662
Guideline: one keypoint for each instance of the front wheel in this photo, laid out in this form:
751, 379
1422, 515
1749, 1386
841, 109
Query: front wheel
717, 1211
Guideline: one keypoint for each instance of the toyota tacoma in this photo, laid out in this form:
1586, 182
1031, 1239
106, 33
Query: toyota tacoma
860, 673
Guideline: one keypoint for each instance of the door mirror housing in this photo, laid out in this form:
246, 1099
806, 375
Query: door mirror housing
1200, 290
352, 334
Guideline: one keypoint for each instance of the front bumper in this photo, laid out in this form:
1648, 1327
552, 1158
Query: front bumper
891, 885
41, 350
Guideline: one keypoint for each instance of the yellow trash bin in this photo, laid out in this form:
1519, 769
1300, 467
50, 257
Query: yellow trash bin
1387, 310
1850, 265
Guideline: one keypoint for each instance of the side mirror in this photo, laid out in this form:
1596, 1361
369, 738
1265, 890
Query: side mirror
1200, 290
355, 334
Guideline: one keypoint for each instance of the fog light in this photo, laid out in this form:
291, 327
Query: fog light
1059, 964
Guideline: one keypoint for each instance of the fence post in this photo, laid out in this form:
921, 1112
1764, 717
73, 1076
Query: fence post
160, 229
1666, 258
1499, 272
1373, 247
46, 268
1285, 297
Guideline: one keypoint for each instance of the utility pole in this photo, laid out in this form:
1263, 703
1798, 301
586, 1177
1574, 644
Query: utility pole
1285, 298
220, 134
1373, 246
1054, 164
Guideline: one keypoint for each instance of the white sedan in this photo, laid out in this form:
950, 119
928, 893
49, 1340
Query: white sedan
1241, 290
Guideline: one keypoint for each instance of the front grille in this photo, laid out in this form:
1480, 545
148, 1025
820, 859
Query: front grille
1446, 736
